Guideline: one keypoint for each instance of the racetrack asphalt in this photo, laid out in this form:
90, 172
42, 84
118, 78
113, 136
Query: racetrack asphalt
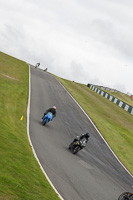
93, 173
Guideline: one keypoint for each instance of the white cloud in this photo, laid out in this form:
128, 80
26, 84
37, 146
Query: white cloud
81, 40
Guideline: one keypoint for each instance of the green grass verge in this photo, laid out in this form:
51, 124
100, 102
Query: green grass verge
115, 124
20, 174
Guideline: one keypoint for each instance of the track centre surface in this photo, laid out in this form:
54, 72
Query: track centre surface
92, 174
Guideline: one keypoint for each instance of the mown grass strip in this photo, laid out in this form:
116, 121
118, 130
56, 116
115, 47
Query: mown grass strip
115, 124
20, 174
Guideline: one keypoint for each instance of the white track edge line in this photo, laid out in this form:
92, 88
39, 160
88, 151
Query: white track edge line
96, 129
28, 115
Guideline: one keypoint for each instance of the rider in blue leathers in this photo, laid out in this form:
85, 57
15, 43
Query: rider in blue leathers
52, 110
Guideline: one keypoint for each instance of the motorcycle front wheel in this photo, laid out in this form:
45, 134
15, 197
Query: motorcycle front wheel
70, 146
44, 122
76, 149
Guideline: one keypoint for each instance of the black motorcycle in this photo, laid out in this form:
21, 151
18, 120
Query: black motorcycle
77, 145
126, 196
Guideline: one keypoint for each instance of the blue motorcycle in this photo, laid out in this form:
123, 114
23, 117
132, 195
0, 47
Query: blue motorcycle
47, 118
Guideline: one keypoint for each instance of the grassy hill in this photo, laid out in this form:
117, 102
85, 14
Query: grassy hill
20, 174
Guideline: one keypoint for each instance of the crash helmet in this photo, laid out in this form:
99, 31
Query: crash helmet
87, 135
54, 107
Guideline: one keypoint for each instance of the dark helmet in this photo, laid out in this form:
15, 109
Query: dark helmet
87, 135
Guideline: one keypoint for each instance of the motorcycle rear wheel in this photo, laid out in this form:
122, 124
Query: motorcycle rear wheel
76, 149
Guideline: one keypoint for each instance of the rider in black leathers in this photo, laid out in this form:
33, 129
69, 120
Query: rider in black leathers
86, 136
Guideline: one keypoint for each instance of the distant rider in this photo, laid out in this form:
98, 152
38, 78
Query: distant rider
86, 136
37, 65
46, 69
52, 110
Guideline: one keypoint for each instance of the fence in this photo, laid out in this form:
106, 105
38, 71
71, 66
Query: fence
111, 98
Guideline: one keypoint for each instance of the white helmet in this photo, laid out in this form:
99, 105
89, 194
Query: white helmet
54, 107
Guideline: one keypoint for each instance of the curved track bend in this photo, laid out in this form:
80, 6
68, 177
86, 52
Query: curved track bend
94, 173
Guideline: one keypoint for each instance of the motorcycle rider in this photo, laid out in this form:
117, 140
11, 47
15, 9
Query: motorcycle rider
86, 136
126, 196
52, 110
37, 65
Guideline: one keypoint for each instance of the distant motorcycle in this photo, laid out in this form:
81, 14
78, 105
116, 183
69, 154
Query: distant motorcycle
126, 196
37, 65
47, 118
77, 145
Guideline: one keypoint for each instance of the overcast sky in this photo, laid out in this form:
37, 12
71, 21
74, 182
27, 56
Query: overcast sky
87, 41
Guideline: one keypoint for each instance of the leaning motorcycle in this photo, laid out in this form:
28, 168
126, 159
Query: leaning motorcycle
77, 145
47, 118
126, 196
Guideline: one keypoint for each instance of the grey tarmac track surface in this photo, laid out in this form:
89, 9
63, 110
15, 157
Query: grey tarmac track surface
92, 174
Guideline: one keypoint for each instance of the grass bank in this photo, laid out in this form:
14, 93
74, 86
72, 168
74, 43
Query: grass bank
115, 124
20, 175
